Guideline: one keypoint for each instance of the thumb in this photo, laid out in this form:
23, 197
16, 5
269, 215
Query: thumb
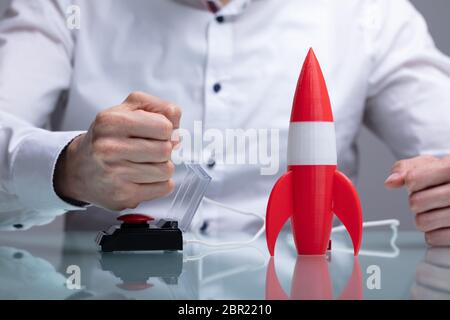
401, 168
395, 180
398, 173
149, 103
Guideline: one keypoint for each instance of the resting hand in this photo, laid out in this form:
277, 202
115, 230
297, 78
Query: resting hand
428, 181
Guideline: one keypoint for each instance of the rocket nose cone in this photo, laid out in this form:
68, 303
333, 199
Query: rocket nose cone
311, 100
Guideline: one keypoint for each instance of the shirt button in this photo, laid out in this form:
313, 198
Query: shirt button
211, 164
204, 227
18, 226
217, 87
220, 19
18, 255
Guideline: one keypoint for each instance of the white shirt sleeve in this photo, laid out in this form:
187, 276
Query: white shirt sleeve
35, 68
409, 86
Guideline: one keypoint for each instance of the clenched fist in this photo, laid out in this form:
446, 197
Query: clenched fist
124, 158
428, 181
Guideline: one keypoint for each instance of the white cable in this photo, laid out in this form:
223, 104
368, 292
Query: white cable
393, 223
220, 204
236, 243
371, 224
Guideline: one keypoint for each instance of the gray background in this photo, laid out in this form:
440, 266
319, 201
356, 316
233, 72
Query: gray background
376, 159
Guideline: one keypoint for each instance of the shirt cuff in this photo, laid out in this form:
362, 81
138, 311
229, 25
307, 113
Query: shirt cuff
33, 166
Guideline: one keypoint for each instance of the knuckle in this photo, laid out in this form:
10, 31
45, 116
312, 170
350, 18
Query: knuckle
165, 150
110, 118
414, 203
168, 169
169, 186
166, 127
446, 190
101, 122
173, 110
399, 164
102, 117
165, 189
135, 95
422, 222
105, 148
442, 193
131, 204
411, 179
98, 147
429, 238
124, 197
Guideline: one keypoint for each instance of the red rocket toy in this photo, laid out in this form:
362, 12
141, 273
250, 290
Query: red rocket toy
312, 189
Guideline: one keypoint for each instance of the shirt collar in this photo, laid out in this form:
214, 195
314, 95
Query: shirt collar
234, 7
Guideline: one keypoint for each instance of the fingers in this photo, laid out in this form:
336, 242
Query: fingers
429, 199
129, 195
395, 180
146, 102
427, 179
432, 174
438, 238
138, 123
124, 158
433, 220
147, 173
133, 150
401, 168
146, 192
398, 172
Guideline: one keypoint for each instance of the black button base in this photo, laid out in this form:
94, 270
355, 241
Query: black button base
164, 236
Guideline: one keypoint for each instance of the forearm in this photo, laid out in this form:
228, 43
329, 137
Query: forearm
26, 172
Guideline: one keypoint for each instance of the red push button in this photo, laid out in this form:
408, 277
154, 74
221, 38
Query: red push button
135, 218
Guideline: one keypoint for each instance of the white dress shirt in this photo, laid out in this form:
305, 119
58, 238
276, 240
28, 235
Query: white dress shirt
380, 63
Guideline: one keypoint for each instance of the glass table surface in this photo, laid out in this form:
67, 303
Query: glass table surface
70, 265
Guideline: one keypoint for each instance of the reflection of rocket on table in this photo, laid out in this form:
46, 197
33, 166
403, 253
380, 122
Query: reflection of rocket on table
312, 281
313, 188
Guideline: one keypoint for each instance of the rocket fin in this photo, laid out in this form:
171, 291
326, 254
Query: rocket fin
347, 207
279, 209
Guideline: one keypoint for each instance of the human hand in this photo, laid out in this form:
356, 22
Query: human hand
124, 158
427, 179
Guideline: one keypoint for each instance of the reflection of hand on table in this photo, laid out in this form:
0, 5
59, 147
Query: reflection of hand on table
428, 181
27, 277
24, 276
433, 275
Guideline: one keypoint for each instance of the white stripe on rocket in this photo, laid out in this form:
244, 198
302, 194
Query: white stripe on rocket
312, 143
